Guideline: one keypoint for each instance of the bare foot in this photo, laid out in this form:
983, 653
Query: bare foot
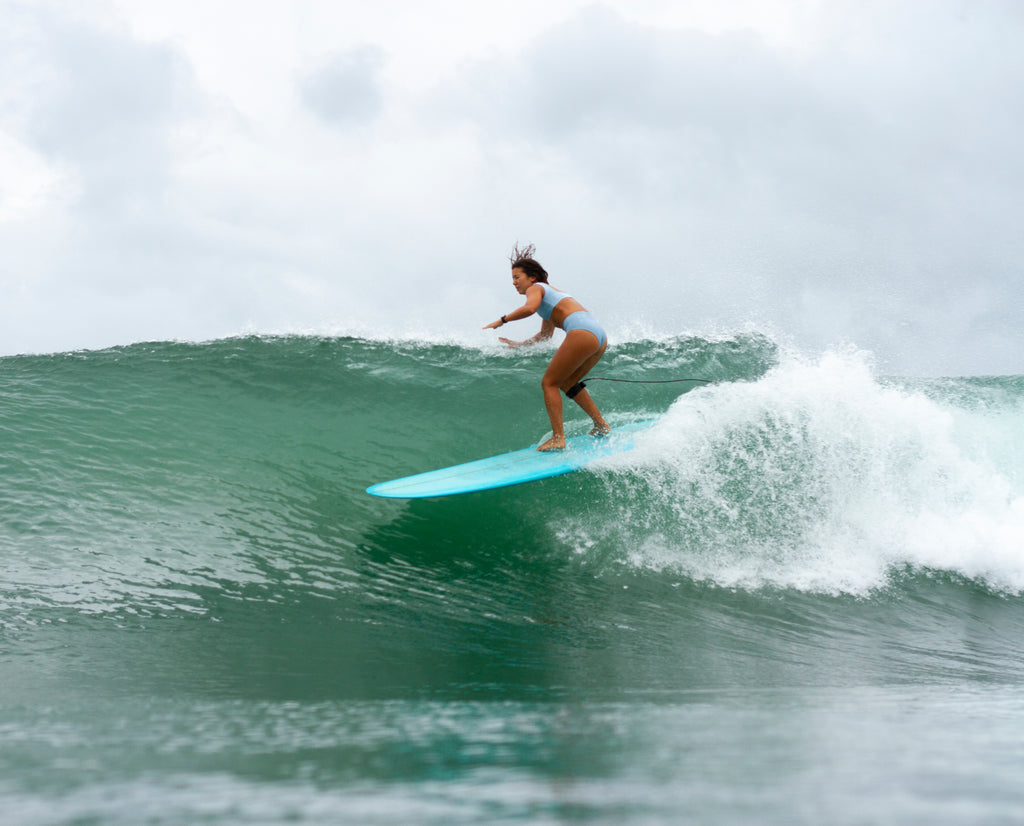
554, 443
600, 430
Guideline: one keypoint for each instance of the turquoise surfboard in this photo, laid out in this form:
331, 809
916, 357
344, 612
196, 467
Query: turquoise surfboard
526, 465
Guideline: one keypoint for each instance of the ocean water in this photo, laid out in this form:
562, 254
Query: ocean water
799, 600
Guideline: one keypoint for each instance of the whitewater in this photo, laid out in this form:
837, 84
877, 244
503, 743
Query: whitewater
799, 599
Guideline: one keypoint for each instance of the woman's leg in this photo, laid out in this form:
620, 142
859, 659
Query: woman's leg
576, 356
582, 398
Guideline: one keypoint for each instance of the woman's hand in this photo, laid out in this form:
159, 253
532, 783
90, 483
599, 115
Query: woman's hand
494, 325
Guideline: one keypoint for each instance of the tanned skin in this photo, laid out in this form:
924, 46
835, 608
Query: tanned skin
575, 357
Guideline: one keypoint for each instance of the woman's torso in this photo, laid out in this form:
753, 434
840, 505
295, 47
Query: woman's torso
556, 305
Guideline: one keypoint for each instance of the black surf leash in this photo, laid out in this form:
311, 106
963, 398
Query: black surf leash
647, 381
576, 388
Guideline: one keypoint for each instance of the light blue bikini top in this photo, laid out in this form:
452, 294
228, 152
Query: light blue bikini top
550, 299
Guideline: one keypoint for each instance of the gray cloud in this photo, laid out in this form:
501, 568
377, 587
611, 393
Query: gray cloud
864, 187
117, 254
106, 106
346, 90
870, 180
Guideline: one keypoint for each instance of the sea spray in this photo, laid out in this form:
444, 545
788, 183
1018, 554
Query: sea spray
816, 476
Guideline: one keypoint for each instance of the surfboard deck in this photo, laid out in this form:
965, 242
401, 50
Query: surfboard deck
515, 468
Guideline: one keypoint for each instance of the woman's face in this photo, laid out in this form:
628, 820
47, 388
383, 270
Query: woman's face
521, 281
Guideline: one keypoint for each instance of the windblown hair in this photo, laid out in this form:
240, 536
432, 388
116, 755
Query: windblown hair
522, 259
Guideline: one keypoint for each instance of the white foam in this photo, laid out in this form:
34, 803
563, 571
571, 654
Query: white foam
819, 477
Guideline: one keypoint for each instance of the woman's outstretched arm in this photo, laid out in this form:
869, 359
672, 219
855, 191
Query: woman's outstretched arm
547, 329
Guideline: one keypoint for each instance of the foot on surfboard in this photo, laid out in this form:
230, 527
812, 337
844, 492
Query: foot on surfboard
554, 443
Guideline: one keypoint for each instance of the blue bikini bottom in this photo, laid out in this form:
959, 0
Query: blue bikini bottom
583, 320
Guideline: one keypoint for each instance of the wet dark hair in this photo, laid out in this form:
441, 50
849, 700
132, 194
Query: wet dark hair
522, 259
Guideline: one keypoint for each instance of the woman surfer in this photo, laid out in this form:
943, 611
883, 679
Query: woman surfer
584, 344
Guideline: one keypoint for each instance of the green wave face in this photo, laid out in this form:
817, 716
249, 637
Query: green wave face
228, 479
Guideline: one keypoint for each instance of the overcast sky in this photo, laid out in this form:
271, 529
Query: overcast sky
829, 172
